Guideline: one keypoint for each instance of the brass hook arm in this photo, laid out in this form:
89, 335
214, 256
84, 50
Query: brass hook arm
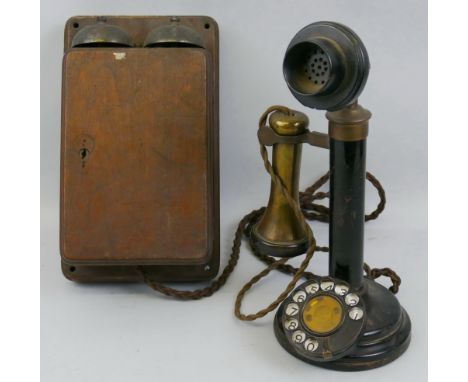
268, 137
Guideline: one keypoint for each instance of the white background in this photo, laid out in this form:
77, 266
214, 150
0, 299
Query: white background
127, 332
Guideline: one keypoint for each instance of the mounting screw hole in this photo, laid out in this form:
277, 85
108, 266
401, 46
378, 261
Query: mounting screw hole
76, 25
207, 26
72, 269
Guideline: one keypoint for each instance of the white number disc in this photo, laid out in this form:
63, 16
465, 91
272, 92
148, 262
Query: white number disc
356, 313
327, 285
312, 288
292, 309
341, 289
352, 299
298, 336
311, 345
291, 324
300, 296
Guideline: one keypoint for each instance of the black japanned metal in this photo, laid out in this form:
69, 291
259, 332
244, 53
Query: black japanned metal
386, 336
326, 68
347, 185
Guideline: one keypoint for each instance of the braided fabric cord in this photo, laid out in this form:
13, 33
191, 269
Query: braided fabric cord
307, 209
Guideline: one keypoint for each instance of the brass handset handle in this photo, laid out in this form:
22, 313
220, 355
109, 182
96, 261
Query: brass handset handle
281, 231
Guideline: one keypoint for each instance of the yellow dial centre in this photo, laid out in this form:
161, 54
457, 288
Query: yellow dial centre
322, 314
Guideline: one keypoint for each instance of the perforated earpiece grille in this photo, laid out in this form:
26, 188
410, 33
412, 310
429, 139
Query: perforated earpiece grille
318, 67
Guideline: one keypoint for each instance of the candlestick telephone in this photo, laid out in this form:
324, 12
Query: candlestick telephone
151, 189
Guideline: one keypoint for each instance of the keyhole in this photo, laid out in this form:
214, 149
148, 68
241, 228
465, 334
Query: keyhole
84, 153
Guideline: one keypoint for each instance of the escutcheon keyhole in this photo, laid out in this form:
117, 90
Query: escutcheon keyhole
84, 153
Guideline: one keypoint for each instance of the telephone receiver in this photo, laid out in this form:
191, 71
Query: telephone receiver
344, 321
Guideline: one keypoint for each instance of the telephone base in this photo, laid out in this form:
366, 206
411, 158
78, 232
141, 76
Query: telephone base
386, 335
368, 357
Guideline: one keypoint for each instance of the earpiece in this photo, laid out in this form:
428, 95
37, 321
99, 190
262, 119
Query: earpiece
326, 66
102, 34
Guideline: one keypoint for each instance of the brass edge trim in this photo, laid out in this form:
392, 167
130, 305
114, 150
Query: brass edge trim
348, 132
285, 244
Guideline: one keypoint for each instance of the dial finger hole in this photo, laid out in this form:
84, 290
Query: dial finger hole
312, 288
298, 336
341, 289
291, 324
356, 313
351, 299
300, 296
327, 285
311, 344
292, 309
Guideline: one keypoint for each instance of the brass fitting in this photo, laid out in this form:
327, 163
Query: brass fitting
349, 124
279, 232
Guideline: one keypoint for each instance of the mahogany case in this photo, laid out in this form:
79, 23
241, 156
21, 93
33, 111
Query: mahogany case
139, 152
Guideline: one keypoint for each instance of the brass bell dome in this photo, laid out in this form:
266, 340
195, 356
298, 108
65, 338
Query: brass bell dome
173, 34
101, 34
